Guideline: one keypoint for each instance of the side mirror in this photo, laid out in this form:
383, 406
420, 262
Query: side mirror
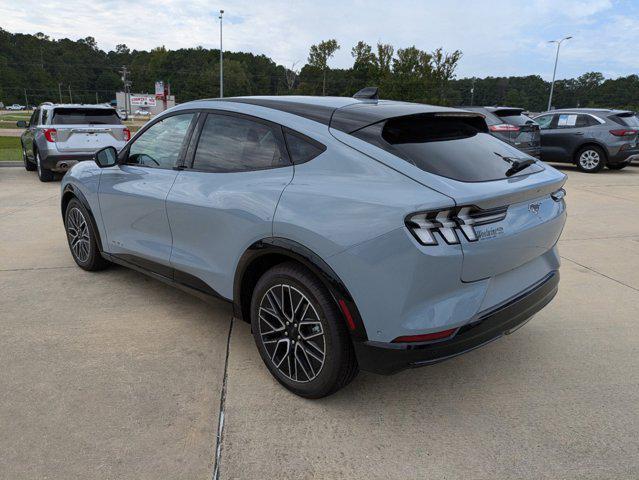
22, 124
106, 157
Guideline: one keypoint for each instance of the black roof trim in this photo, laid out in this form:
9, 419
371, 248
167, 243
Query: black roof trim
317, 113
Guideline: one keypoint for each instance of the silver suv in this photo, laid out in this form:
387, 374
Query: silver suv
59, 136
590, 138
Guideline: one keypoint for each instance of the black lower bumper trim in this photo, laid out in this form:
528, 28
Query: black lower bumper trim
51, 162
387, 358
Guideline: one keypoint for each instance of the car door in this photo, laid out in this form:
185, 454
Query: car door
29, 134
554, 137
132, 194
225, 199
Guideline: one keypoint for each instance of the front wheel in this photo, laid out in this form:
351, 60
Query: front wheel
590, 159
81, 237
300, 333
44, 174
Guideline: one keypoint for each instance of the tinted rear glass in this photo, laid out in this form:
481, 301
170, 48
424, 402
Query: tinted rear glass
628, 120
454, 147
518, 120
85, 116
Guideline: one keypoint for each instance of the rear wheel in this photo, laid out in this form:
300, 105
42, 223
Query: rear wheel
300, 333
618, 166
28, 166
590, 159
81, 237
44, 174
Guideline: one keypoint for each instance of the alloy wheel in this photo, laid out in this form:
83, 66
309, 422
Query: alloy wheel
292, 333
78, 232
589, 159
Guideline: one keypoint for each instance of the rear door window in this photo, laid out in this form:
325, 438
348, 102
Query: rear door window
85, 116
232, 144
567, 120
454, 147
301, 148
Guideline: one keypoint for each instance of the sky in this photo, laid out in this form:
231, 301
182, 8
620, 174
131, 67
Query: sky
497, 38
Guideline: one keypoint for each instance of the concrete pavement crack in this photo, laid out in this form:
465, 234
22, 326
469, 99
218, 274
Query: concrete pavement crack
220, 423
599, 273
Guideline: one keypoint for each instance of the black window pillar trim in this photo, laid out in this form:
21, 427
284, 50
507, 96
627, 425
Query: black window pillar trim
312, 261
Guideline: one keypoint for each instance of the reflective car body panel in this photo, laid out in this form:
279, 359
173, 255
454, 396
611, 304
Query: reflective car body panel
348, 205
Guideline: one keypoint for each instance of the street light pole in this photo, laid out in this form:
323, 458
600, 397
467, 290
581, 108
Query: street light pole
552, 85
221, 58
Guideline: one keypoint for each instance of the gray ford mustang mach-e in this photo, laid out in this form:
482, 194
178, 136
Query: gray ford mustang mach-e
352, 233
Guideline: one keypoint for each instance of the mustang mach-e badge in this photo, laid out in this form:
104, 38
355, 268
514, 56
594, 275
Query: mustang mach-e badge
534, 208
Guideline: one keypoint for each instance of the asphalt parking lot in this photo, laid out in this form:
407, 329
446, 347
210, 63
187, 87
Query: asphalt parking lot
114, 375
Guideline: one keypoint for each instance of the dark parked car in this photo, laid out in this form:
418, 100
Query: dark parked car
512, 126
590, 138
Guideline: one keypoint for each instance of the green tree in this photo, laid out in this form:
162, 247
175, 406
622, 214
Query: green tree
320, 54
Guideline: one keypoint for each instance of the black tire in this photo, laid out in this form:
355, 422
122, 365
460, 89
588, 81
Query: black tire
339, 366
618, 166
78, 226
28, 165
590, 159
44, 174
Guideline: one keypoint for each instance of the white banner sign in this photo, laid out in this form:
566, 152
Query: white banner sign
143, 101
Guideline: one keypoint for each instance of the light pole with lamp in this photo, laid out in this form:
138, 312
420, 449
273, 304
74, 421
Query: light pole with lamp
221, 58
552, 85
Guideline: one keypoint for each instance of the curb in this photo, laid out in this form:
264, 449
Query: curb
11, 164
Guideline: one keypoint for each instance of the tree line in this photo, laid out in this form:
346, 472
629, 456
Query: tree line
42, 69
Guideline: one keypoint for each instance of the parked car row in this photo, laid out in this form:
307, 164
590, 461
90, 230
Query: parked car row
589, 138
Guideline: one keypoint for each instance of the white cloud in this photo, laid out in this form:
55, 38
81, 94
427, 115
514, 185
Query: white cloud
497, 38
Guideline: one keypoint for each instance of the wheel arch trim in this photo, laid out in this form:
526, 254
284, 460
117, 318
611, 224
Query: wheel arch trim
70, 192
305, 256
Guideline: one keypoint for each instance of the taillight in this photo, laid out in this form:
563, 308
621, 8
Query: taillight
51, 134
427, 337
127, 134
426, 226
623, 132
503, 127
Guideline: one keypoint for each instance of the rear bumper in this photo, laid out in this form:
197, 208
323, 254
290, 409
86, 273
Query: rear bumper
62, 163
624, 156
387, 358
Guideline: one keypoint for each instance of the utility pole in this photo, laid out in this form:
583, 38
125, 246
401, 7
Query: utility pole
70, 96
127, 85
552, 84
26, 99
221, 59
472, 93
60, 91
96, 98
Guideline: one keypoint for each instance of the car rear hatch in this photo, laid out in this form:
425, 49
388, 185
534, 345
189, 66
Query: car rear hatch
511, 217
85, 129
523, 130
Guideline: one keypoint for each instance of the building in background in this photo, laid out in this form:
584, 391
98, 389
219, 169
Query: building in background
147, 102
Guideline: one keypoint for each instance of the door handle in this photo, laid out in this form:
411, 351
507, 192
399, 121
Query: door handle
579, 133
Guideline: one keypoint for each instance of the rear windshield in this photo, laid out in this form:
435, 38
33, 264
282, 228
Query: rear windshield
454, 147
628, 120
518, 120
85, 116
